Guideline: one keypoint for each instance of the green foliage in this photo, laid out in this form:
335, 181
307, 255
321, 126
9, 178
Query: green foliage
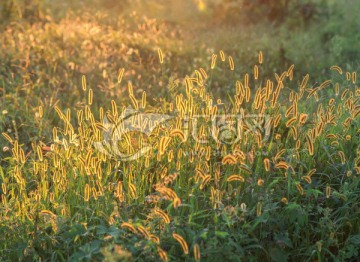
275, 214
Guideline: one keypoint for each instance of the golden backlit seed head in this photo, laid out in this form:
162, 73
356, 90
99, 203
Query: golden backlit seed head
235, 178
328, 191
300, 188
121, 74
162, 254
128, 226
256, 72
162, 215
353, 77
87, 193
222, 55
182, 242
231, 63
307, 179
90, 96
83, 82
259, 209
143, 100
260, 57
229, 159
47, 212
177, 202
284, 200
179, 133
143, 231
161, 56
342, 157
213, 61
197, 255
267, 164
282, 165
4, 188
8, 138
337, 68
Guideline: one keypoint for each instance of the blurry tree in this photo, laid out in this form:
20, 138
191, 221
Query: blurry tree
273, 10
231, 11
31, 10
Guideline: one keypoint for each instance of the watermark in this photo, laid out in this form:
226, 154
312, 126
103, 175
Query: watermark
122, 138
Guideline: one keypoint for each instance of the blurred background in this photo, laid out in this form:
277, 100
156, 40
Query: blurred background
312, 34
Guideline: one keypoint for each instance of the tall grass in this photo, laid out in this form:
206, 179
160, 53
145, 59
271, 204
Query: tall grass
238, 166
284, 186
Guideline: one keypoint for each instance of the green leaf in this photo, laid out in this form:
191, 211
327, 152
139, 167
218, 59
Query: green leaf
313, 192
221, 234
284, 239
204, 235
354, 239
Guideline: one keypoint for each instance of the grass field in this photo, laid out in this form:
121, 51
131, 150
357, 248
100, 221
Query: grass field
179, 130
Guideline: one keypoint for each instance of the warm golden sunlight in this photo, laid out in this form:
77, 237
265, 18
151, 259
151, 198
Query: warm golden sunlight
165, 130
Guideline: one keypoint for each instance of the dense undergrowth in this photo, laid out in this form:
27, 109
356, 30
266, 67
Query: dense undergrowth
245, 161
